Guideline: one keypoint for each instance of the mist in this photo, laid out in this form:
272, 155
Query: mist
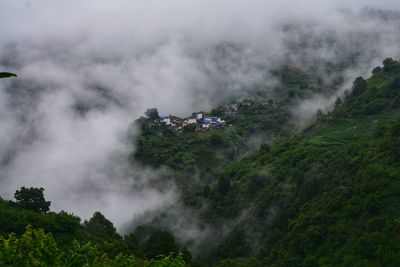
88, 69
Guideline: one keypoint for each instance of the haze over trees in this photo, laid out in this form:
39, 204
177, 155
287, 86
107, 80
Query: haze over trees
73, 76
296, 163
325, 196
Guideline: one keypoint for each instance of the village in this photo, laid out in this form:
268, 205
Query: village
200, 121
205, 121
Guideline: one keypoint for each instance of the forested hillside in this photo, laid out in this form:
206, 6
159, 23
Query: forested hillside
328, 196
324, 196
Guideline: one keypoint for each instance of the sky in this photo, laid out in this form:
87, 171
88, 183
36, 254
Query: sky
88, 69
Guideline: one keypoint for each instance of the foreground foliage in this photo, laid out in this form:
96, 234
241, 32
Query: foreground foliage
59, 239
37, 248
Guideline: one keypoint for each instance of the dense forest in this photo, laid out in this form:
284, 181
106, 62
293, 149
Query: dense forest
326, 195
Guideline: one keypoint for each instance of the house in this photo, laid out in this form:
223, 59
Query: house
192, 121
199, 115
214, 120
207, 120
165, 119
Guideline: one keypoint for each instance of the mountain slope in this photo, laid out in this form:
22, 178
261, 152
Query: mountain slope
329, 196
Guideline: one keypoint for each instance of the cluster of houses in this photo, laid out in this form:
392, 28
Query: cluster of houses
202, 121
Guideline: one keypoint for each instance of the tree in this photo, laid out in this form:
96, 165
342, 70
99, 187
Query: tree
376, 70
37, 248
216, 140
265, 148
359, 86
33, 248
223, 185
160, 243
320, 115
389, 64
219, 111
338, 102
32, 199
100, 227
152, 113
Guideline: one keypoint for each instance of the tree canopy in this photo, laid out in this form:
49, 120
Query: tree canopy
32, 199
152, 113
100, 227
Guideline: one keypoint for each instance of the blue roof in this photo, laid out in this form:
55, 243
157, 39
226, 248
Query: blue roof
163, 117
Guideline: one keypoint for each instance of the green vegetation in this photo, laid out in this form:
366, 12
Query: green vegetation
32, 199
32, 236
37, 248
158, 145
326, 196
191, 154
320, 202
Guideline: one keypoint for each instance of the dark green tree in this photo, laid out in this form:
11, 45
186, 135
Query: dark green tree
100, 227
160, 243
152, 113
376, 70
389, 64
223, 185
32, 199
216, 140
219, 111
359, 86
265, 148
338, 102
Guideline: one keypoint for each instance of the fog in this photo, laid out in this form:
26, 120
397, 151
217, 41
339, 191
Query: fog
87, 69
